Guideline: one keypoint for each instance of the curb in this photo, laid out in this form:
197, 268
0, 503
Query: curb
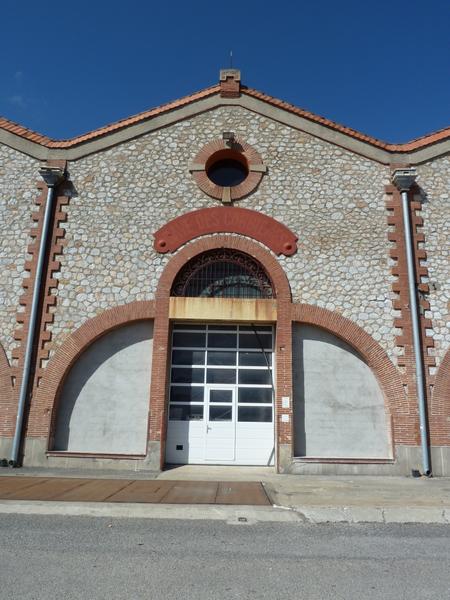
247, 515
231, 514
345, 514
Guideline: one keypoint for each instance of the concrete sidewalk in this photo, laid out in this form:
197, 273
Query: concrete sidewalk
300, 498
356, 499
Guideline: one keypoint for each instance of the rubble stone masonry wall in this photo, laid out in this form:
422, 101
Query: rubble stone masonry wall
330, 197
18, 189
434, 180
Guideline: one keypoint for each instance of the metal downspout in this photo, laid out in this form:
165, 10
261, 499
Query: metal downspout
52, 177
403, 179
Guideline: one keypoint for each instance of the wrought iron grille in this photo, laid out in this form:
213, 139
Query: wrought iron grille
223, 273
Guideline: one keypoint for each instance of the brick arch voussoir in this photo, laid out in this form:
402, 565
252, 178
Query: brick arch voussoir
66, 356
440, 403
194, 248
369, 349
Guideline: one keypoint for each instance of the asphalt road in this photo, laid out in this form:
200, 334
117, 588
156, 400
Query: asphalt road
98, 558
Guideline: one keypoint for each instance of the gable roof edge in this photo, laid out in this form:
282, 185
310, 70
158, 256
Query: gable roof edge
42, 147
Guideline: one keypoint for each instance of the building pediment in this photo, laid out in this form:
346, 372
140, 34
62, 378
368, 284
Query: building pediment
229, 92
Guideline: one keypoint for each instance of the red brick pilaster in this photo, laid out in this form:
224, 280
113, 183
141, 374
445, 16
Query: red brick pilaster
283, 356
406, 361
47, 298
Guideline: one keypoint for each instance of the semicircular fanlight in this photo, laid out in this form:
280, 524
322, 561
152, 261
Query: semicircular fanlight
223, 273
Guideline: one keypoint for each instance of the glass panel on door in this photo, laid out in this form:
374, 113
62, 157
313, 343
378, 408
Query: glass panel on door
220, 396
220, 425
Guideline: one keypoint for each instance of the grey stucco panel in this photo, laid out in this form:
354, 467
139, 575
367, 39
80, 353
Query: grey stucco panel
104, 402
339, 409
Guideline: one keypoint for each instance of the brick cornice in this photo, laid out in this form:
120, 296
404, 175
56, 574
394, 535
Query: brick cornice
376, 358
45, 401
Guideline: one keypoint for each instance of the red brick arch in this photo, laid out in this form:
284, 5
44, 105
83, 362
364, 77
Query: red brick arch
7, 408
45, 405
440, 405
373, 354
226, 219
161, 331
270, 264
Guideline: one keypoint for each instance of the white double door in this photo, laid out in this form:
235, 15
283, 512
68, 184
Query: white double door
220, 423
220, 397
216, 435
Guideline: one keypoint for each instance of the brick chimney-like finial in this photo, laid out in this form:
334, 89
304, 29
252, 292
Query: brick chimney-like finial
230, 83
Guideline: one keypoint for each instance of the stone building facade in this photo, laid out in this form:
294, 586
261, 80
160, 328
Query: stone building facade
222, 280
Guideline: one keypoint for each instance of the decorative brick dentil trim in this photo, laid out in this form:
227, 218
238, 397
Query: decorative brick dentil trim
52, 266
400, 286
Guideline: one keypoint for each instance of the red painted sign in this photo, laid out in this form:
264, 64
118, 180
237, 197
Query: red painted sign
226, 219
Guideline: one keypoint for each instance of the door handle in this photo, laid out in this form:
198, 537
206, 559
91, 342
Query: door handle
208, 428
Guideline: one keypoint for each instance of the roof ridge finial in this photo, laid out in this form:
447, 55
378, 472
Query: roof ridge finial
230, 82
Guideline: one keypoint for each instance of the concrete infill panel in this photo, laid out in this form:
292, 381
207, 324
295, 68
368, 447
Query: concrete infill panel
103, 408
339, 408
5, 447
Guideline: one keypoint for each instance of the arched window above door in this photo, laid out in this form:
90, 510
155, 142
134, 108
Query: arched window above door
223, 273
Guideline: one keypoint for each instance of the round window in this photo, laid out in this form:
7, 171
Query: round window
227, 168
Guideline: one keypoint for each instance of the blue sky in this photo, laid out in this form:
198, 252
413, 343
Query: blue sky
381, 67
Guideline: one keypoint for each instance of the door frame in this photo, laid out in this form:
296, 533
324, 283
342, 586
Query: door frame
220, 386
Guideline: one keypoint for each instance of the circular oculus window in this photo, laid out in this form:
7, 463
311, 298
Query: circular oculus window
227, 173
227, 168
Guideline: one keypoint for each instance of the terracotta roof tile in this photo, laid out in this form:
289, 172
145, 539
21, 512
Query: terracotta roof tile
49, 143
134, 119
21, 131
412, 145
